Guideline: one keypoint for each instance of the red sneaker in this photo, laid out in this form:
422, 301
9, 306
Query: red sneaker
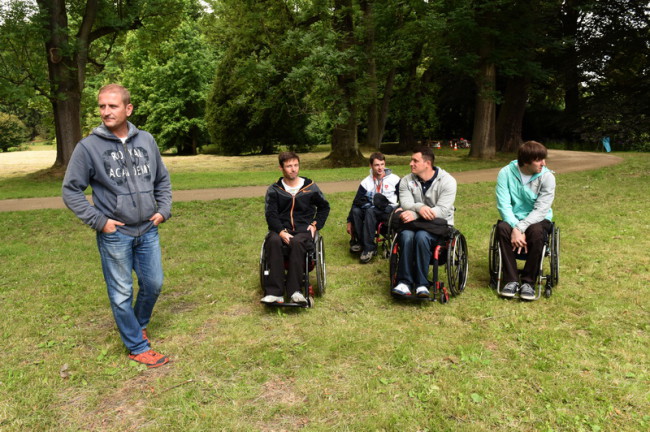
144, 335
150, 358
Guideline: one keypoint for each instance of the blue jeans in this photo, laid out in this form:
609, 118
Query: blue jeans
410, 271
121, 254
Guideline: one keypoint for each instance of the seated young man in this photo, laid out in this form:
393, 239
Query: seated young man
375, 200
427, 193
525, 191
295, 209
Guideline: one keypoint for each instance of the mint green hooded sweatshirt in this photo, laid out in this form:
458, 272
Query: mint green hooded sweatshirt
522, 205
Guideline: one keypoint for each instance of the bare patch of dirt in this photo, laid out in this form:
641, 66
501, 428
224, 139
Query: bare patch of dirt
121, 408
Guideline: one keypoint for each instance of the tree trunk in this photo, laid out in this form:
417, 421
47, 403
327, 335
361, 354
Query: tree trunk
407, 141
385, 102
67, 56
64, 75
345, 147
511, 115
484, 139
372, 138
345, 150
571, 73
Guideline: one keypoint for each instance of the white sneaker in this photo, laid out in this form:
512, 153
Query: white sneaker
270, 299
401, 289
297, 297
422, 291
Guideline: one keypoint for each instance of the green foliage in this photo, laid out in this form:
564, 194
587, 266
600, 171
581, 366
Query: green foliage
169, 87
253, 106
616, 53
12, 131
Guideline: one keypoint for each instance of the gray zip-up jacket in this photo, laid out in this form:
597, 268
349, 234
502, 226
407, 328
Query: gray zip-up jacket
130, 182
440, 196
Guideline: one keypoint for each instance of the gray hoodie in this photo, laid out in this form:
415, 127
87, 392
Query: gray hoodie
130, 182
440, 196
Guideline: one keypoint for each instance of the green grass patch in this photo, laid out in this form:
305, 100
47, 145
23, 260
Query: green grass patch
208, 171
358, 361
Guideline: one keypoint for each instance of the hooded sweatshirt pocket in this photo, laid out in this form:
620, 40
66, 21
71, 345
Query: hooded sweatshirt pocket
135, 208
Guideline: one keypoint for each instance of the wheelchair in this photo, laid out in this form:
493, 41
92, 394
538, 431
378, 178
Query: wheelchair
383, 236
449, 251
314, 260
548, 275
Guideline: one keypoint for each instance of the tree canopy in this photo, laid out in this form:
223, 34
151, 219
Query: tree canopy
252, 76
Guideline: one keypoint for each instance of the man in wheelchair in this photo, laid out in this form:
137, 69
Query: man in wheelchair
376, 198
295, 208
427, 194
525, 191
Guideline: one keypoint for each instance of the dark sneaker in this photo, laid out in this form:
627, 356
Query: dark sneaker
367, 256
355, 248
510, 289
150, 358
527, 292
422, 292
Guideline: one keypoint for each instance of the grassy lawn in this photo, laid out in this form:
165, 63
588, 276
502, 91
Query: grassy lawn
209, 171
358, 361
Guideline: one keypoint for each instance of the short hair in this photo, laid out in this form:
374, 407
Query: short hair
427, 153
287, 155
116, 88
531, 151
376, 156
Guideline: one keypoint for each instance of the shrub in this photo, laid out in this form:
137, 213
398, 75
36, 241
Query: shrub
12, 131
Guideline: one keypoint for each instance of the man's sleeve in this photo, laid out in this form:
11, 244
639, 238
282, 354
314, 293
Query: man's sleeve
542, 203
75, 182
358, 199
444, 206
162, 186
322, 208
271, 211
406, 199
504, 202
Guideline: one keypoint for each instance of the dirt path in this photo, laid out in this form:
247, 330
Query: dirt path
560, 161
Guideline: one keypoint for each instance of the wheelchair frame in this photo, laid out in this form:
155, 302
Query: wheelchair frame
548, 275
384, 240
314, 260
456, 266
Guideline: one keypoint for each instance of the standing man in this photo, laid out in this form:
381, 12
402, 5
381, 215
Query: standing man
131, 197
427, 193
525, 192
295, 209
376, 198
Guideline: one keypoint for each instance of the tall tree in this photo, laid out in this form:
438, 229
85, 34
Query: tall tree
68, 31
169, 83
345, 145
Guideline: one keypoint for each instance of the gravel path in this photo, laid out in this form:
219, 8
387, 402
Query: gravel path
560, 161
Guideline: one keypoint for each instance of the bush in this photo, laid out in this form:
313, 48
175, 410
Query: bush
12, 131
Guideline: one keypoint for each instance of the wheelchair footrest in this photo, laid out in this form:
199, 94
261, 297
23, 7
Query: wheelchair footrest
413, 297
290, 304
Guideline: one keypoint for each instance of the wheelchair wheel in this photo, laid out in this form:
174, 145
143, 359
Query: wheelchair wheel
262, 265
457, 264
394, 260
321, 271
493, 257
555, 256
